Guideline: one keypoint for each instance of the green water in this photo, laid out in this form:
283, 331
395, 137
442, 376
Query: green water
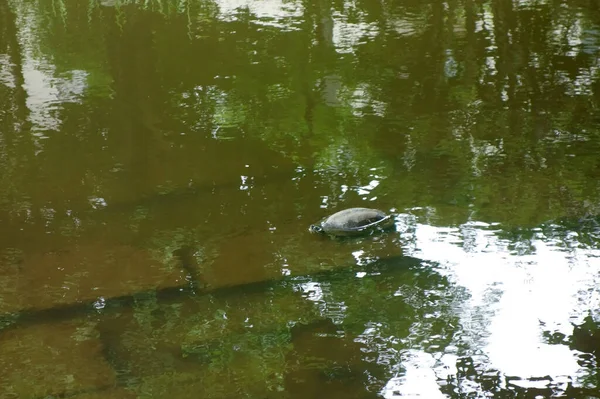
161, 161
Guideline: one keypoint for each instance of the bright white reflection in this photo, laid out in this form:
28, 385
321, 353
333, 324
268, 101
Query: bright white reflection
347, 36
366, 189
362, 100
312, 291
321, 294
45, 91
97, 202
418, 380
270, 12
6, 77
516, 293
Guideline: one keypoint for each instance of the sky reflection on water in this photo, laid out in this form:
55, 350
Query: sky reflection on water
512, 300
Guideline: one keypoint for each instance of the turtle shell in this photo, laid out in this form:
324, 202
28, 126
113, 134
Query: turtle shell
353, 221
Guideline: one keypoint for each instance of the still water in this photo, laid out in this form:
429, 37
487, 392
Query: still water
161, 161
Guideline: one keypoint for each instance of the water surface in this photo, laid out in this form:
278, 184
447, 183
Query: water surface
162, 161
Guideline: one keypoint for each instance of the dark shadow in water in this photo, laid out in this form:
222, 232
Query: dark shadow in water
326, 362
586, 338
325, 359
494, 383
66, 312
167, 295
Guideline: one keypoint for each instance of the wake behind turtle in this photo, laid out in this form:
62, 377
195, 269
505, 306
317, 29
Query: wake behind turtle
354, 222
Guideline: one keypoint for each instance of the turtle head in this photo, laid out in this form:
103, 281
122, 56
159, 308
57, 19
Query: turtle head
315, 228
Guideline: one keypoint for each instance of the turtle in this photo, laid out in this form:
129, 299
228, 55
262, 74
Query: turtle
353, 222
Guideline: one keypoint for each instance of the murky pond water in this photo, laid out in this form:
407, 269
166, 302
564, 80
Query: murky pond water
161, 162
